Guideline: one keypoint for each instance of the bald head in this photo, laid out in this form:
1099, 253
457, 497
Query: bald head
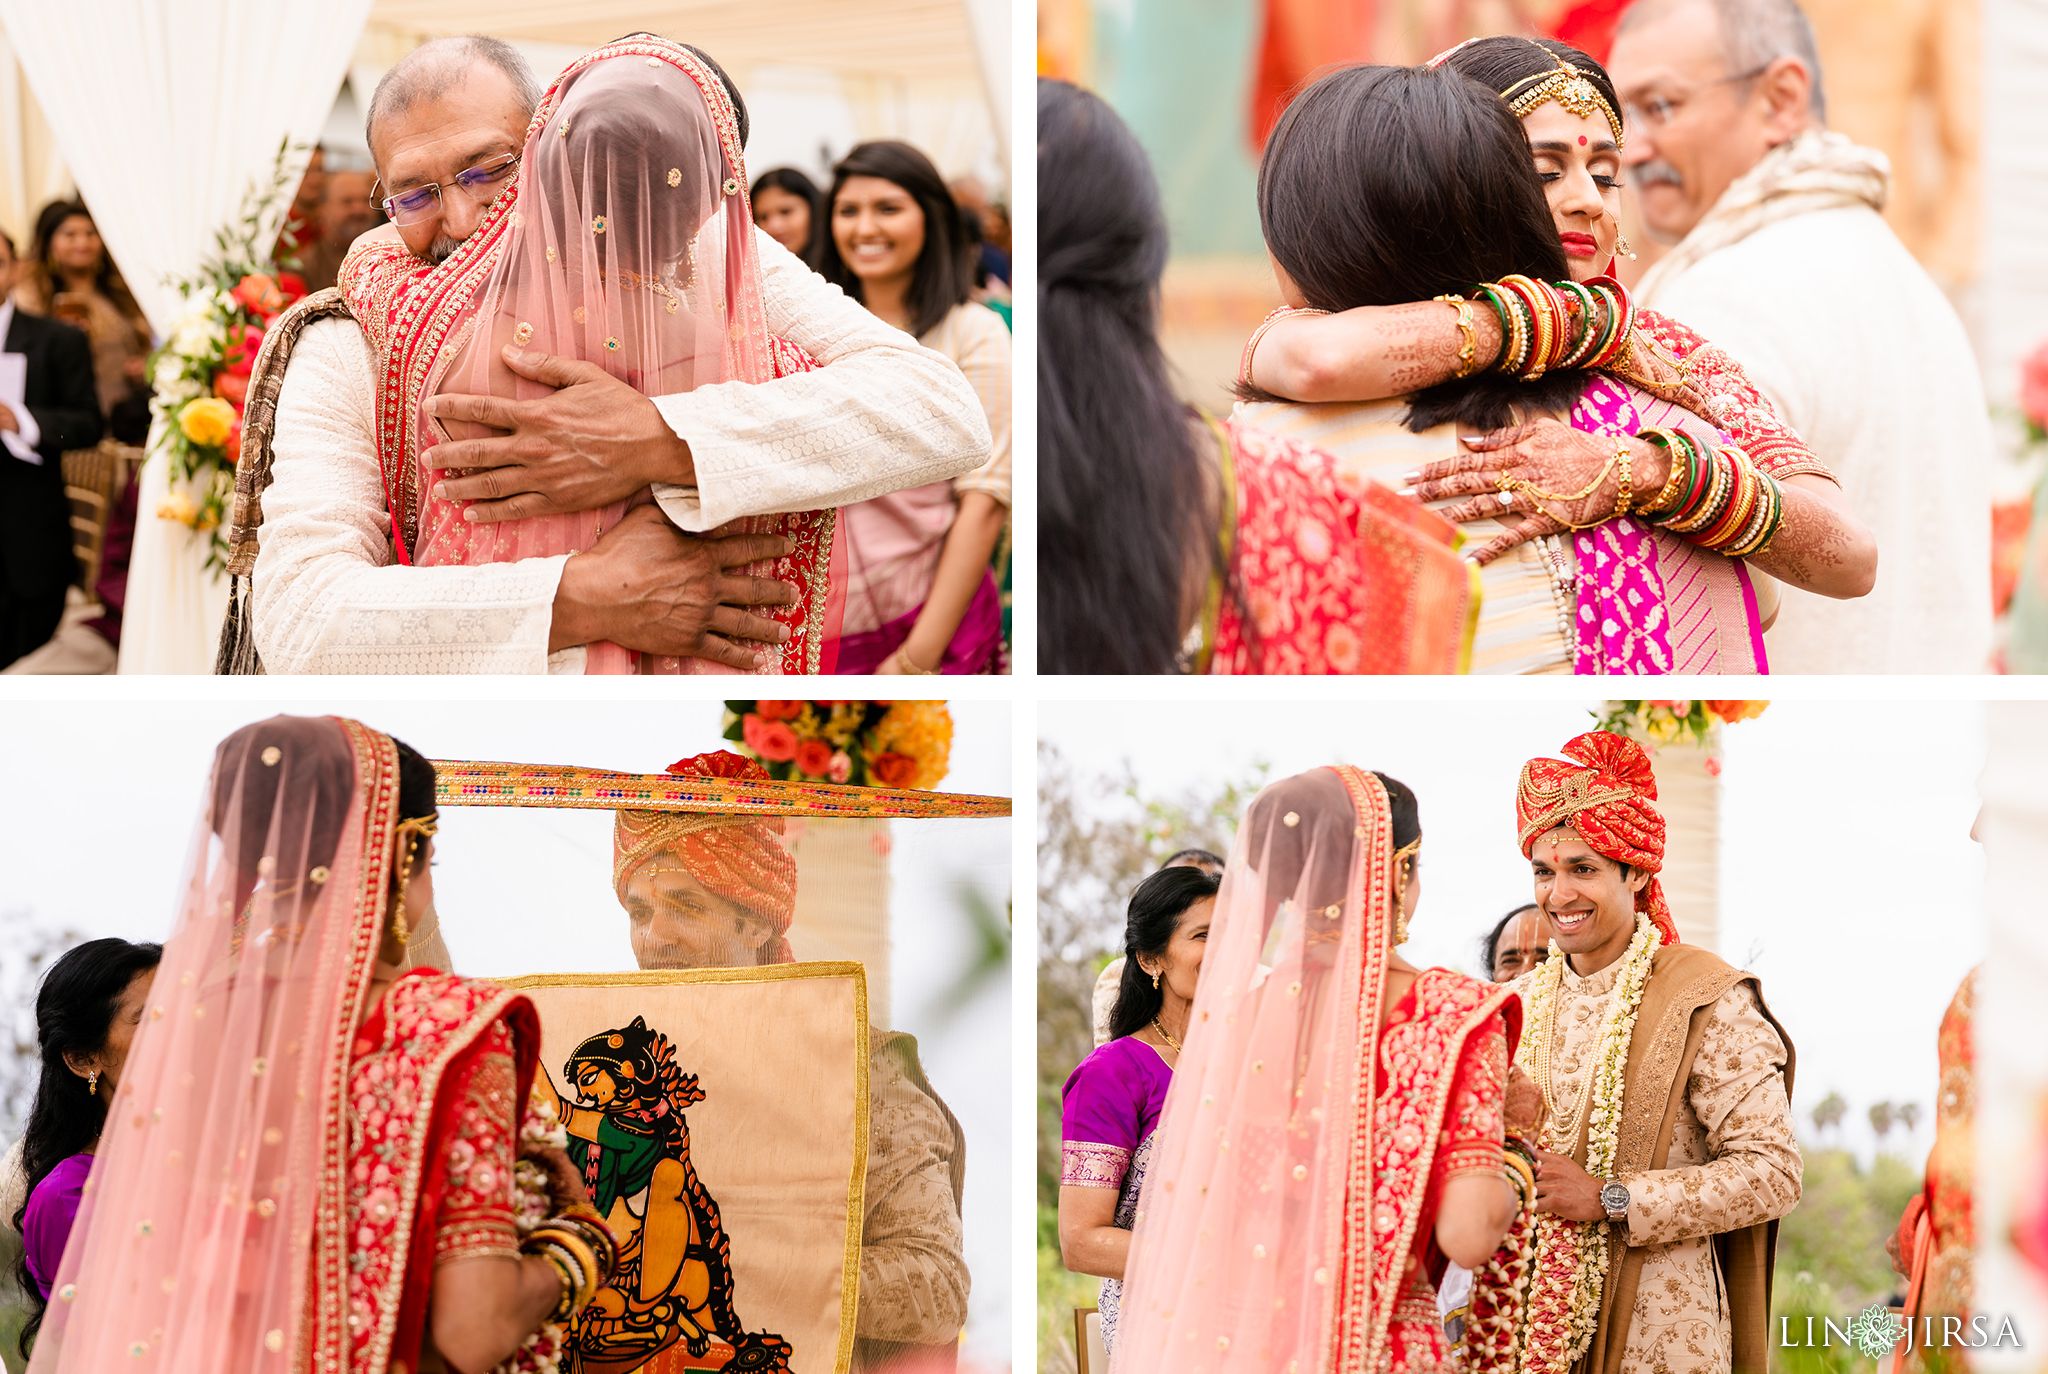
440, 67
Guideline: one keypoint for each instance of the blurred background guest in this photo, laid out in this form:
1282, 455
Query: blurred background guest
1515, 945
69, 277
921, 596
86, 1014
991, 219
791, 208
346, 212
302, 227
57, 409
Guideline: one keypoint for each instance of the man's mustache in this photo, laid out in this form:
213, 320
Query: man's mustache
1658, 172
442, 247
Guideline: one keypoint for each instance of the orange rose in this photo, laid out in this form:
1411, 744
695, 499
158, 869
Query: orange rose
892, 769
814, 756
231, 388
771, 739
779, 710
233, 446
260, 294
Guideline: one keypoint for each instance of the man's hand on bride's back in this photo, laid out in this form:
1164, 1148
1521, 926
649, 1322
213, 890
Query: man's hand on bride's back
648, 586
593, 442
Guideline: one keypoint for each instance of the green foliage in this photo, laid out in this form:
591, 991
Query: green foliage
1089, 859
1799, 1294
1060, 1291
1837, 1233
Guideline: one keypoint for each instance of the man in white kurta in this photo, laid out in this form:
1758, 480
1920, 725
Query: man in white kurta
1784, 260
880, 415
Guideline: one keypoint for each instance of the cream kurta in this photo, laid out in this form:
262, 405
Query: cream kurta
1733, 1163
913, 1276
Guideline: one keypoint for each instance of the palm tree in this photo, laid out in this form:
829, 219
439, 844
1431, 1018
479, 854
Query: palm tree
1909, 1113
1883, 1116
1828, 1115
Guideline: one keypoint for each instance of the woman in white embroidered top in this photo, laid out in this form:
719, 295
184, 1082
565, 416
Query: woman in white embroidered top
920, 596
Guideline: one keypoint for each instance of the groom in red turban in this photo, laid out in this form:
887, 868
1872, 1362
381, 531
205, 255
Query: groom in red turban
1682, 1179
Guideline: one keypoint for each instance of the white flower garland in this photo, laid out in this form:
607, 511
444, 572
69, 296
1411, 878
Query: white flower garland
1603, 1130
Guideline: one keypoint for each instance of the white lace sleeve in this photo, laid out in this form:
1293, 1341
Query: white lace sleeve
328, 597
882, 415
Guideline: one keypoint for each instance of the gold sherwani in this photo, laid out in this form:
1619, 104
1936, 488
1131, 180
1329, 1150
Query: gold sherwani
1732, 1162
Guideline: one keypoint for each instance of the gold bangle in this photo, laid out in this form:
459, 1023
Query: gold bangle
1627, 492
1468, 351
1667, 495
905, 662
1251, 345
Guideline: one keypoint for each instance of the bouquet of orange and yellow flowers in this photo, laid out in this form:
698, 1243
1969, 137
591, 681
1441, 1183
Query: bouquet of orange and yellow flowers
866, 743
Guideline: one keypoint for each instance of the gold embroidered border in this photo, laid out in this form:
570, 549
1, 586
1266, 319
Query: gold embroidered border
1092, 1164
856, 1192
476, 783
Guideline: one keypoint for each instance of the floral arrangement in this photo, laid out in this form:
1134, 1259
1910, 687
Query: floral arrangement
1652, 723
2018, 483
867, 743
201, 374
1572, 1257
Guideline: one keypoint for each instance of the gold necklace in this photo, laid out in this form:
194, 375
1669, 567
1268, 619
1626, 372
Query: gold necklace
1171, 1043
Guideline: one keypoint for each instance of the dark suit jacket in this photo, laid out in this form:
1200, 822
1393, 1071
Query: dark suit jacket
35, 517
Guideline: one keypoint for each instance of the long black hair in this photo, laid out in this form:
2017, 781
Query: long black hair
1120, 488
1382, 185
74, 1013
943, 275
795, 183
1149, 922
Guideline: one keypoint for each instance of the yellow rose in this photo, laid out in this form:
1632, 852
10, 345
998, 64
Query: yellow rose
921, 729
206, 421
180, 507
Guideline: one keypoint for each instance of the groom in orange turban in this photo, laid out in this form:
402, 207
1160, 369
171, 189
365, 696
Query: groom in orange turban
1682, 1179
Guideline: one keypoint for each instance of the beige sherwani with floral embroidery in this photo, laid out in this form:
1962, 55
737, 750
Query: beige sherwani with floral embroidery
1732, 1164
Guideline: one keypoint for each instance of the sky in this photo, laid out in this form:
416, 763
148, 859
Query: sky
99, 801
1849, 882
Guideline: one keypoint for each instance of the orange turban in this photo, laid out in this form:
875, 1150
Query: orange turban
1604, 794
738, 857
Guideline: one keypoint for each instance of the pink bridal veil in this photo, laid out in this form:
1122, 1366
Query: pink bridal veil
1252, 1249
211, 1233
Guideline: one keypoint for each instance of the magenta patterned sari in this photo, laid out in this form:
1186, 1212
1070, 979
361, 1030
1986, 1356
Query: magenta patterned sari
1648, 602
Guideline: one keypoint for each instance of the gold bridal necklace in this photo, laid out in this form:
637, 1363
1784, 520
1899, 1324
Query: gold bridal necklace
1172, 1043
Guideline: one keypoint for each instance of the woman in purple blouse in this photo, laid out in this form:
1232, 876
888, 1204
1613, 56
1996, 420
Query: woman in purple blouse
87, 1013
1112, 1101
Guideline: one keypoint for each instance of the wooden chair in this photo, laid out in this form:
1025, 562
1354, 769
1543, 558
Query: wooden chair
94, 479
89, 476
1089, 1355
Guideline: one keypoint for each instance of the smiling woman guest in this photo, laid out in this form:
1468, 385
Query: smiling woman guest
1112, 1100
921, 597
86, 1017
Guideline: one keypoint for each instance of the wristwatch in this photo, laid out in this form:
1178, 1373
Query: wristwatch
1614, 1197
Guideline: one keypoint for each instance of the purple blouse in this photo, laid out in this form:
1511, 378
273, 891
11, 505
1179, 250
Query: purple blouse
47, 1224
1110, 1105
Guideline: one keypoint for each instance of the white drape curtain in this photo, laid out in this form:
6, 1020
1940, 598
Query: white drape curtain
167, 114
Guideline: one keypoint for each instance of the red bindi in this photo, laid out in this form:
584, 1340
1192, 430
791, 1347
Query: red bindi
1582, 140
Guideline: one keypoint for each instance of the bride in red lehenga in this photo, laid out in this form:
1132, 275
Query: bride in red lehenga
1334, 1132
309, 1163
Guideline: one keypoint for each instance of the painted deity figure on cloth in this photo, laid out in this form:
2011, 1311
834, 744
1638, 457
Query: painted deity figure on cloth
716, 891
1665, 1153
623, 1113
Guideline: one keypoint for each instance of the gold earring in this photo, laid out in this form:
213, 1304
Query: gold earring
412, 830
92, 1083
1155, 980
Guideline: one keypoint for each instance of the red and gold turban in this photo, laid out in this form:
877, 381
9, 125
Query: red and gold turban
1605, 795
738, 857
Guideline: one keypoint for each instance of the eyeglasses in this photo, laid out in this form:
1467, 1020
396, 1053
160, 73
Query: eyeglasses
410, 207
1658, 110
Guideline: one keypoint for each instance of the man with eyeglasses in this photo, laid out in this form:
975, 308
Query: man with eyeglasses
445, 128
1782, 258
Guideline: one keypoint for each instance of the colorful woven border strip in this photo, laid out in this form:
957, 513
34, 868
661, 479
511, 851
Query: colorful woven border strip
462, 783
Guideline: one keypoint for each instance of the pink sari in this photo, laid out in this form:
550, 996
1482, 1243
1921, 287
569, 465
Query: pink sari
276, 1183
626, 240
1287, 1214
